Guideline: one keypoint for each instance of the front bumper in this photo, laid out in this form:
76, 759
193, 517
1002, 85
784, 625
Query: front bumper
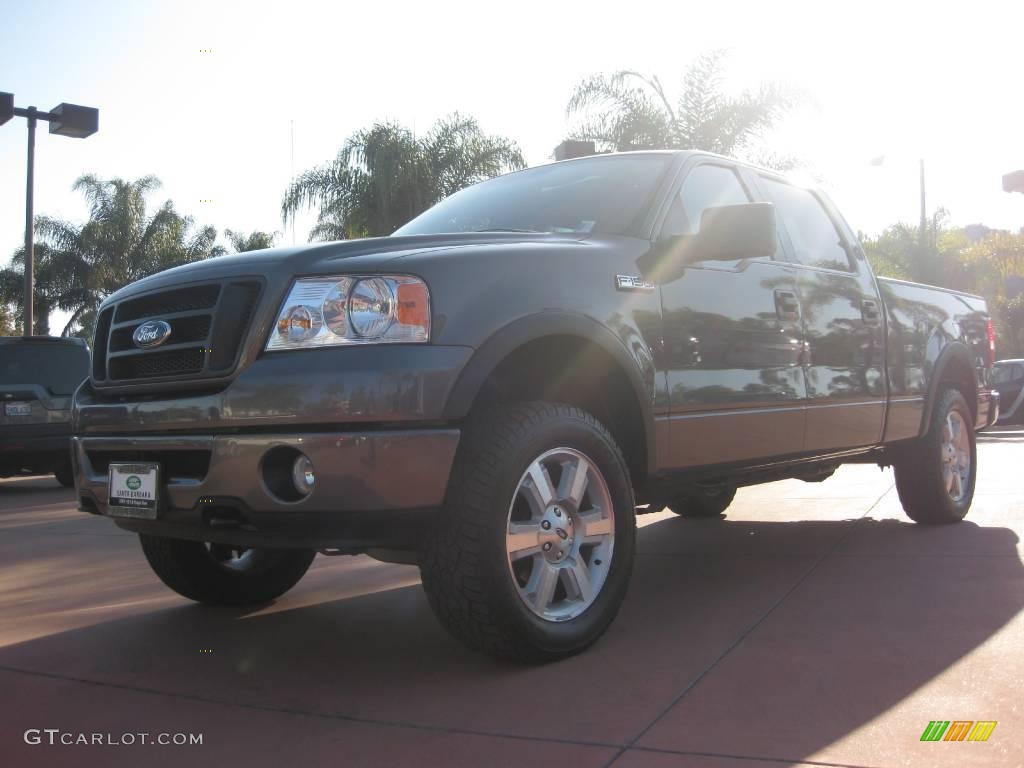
213, 486
35, 447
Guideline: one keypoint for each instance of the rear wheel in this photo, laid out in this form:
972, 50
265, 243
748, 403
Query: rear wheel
709, 503
64, 475
935, 477
531, 555
219, 574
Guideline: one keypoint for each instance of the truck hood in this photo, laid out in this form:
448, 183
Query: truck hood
363, 255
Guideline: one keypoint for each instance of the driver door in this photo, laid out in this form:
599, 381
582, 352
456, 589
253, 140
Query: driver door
732, 340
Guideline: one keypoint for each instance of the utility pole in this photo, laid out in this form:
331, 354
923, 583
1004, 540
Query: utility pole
924, 215
65, 119
27, 328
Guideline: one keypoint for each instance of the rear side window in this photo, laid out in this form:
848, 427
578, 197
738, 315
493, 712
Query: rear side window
816, 242
58, 368
706, 186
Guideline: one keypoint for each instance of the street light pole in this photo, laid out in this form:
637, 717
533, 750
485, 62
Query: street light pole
65, 120
924, 217
28, 327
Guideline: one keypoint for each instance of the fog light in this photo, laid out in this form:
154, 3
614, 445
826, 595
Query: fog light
303, 477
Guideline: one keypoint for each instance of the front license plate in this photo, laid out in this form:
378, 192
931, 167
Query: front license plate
18, 409
133, 490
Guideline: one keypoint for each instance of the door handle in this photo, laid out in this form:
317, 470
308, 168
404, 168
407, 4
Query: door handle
787, 305
869, 312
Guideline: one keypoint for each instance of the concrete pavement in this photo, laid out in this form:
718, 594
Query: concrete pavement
813, 625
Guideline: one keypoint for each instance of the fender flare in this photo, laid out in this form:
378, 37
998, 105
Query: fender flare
954, 351
537, 326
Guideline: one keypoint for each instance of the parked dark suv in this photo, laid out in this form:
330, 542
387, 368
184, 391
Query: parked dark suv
38, 376
1008, 379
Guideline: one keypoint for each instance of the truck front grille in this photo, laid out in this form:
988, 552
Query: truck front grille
190, 464
208, 324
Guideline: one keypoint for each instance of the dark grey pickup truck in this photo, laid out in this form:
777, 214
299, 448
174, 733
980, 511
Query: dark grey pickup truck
494, 391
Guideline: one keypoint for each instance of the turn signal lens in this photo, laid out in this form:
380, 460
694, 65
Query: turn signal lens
991, 343
413, 305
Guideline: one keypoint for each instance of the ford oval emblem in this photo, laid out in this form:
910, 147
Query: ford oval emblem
151, 333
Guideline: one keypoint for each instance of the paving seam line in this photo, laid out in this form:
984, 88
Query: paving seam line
749, 629
305, 713
725, 756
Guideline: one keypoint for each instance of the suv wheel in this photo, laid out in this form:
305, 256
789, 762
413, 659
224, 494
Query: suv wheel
709, 503
532, 552
218, 574
935, 478
64, 475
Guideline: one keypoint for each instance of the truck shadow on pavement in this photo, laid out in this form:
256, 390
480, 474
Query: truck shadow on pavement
732, 631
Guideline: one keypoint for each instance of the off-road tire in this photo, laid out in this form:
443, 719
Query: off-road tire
65, 476
707, 504
188, 568
918, 468
464, 561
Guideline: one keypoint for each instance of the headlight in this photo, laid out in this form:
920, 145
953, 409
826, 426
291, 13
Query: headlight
348, 309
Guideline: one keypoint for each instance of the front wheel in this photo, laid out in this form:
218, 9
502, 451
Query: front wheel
219, 574
935, 476
531, 555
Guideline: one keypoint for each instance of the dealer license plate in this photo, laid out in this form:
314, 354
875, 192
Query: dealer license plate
133, 490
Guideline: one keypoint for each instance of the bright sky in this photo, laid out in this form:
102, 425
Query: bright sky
942, 81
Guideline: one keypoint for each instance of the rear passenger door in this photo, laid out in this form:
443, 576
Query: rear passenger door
843, 322
732, 345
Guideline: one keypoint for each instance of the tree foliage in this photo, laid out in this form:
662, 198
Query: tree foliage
975, 259
8, 326
385, 175
76, 267
250, 241
629, 110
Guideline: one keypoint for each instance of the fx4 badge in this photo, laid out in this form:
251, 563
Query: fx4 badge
632, 283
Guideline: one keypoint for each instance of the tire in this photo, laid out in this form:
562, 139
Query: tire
933, 485
65, 476
485, 568
204, 573
711, 503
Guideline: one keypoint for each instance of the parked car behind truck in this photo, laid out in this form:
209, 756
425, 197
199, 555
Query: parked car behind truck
493, 390
1008, 380
38, 375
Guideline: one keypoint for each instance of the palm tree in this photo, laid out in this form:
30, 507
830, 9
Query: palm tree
251, 241
384, 175
76, 267
628, 110
8, 327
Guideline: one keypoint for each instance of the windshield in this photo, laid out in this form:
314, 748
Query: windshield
1004, 374
59, 368
603, 194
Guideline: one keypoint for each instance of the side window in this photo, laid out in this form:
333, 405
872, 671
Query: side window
706, 186
816, 242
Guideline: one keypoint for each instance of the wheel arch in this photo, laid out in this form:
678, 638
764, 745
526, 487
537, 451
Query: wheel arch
953, 367
536, 350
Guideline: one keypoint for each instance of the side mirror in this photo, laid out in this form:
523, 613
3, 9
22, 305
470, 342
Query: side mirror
726, 233
735, 232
